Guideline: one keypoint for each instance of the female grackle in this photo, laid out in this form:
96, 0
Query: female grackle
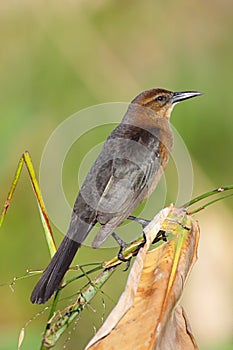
125, 173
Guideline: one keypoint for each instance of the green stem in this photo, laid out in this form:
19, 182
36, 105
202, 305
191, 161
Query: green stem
40, 202
207, 194
97, 268
209, 203
12, 190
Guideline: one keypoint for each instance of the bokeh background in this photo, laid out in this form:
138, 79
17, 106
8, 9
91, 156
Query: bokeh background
58, 57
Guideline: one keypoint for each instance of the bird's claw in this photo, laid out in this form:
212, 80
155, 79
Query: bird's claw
120, 255
160, 236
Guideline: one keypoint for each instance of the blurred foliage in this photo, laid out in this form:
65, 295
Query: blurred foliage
62, 56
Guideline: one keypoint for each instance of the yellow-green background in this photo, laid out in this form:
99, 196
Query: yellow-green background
58, 57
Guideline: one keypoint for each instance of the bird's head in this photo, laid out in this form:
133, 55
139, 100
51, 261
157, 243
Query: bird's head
162, 101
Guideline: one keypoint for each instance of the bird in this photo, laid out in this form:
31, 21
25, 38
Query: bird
125, 173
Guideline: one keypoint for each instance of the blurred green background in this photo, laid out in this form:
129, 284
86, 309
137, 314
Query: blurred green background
58, 57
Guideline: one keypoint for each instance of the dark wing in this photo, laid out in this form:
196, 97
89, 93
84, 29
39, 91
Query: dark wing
131, 177
116, 183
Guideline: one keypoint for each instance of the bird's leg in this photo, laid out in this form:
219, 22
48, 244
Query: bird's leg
144, 222
122, 245
141, 221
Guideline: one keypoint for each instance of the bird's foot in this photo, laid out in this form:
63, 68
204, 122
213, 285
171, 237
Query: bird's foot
144, 222
122, 245
161, 236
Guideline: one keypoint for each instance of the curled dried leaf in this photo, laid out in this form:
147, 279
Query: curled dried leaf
152, 318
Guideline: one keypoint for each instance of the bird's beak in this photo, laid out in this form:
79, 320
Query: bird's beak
181, 96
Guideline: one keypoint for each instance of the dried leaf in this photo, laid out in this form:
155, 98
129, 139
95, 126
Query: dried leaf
154, 320
178, 334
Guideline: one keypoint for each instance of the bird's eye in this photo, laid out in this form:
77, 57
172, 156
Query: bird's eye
160, 98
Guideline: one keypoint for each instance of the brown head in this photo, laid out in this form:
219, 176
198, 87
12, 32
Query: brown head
162, 101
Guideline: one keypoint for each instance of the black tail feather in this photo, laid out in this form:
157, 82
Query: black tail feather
54, 273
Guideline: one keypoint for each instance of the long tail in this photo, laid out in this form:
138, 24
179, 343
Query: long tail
55, 271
